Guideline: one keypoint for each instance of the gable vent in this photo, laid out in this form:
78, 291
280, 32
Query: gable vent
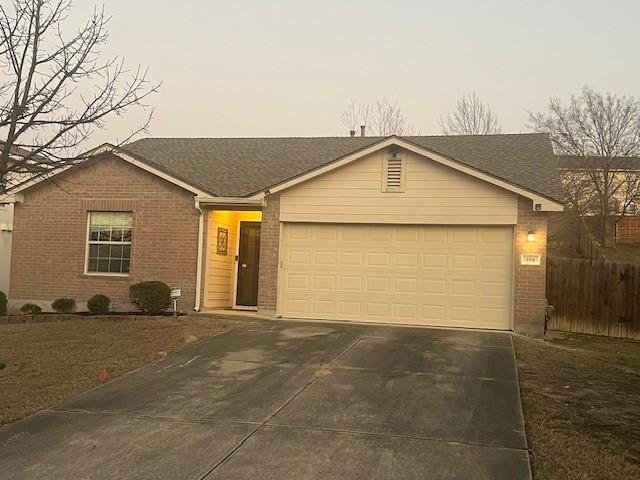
393, 180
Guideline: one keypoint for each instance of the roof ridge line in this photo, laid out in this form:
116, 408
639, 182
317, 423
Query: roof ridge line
342, 137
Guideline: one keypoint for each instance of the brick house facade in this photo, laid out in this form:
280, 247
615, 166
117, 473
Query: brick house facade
50, 234
51, 228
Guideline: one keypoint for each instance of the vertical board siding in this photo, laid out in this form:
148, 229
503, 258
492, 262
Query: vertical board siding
432, 194
594, 297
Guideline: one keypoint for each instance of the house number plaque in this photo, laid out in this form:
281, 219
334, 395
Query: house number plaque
530, 259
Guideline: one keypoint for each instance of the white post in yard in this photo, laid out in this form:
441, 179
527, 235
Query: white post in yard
175, 294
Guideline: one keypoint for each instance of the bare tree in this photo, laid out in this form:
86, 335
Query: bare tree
597, 130
56, 90
629, 194
579, 194
381, 118
471, 117
352, 116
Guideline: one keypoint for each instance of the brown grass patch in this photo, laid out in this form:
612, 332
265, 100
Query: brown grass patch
581, 400
55, 361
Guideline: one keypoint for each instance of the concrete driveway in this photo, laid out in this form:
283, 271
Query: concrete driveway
292, 400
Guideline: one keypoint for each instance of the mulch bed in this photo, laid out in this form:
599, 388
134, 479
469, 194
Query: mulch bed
65, 317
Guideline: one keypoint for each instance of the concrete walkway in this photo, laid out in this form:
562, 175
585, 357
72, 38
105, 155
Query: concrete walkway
292, 400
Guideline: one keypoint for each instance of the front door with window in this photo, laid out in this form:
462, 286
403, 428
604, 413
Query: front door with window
248, 264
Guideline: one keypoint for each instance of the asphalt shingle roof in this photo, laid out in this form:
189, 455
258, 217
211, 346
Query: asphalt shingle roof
244, 166
622, 163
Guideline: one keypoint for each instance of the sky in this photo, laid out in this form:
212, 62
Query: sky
288, 68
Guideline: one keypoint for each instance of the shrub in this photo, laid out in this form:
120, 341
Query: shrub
64, 305
98, 304
150, 297
3, 303
31, 308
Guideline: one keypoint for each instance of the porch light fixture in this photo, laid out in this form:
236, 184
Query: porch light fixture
531, 237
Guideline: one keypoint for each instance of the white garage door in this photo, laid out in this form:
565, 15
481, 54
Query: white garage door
421, 275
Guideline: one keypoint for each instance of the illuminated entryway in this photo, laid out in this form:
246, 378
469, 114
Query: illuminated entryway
232, 259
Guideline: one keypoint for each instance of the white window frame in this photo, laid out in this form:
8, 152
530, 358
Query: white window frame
87, 243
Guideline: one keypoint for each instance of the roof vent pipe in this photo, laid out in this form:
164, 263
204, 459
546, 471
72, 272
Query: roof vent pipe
362, 131
352, 133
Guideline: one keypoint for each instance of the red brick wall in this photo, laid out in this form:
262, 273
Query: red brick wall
50, 230
269, 256
530, 281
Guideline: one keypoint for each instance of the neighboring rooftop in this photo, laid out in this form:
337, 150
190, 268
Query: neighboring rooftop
244, 166
618, 163
20, 152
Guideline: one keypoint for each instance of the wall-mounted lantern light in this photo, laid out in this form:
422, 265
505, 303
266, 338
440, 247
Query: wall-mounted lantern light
531, 237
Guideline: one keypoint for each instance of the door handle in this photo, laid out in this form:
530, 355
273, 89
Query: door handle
244, 265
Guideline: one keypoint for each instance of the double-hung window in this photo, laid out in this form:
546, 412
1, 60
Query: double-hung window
109, 242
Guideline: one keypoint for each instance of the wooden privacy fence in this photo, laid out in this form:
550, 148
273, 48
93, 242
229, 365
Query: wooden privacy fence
588, 245
594, 296
628, 230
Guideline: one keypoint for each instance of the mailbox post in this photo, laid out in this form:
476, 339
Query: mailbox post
175, 294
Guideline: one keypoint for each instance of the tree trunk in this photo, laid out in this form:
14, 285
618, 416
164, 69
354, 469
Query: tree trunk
606, 229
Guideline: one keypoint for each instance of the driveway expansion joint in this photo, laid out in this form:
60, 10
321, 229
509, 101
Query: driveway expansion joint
279, 409
421, 374
189, 420
393, 435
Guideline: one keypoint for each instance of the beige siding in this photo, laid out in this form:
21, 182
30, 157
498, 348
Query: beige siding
420, 275
433, 194
221, 269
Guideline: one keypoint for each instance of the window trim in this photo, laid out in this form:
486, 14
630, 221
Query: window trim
87, 244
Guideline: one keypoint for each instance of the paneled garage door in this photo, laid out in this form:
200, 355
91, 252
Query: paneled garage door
424, 275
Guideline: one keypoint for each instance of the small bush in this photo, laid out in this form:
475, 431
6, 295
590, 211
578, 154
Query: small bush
64, 305
99, 304
150, 297
30, 308
3, 303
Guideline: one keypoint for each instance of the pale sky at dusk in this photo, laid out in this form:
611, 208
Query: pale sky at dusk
288, 68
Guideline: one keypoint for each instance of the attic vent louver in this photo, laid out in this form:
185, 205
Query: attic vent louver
393, 174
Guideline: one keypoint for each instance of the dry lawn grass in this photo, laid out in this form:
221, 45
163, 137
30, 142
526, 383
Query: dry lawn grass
47, 363
581, 399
